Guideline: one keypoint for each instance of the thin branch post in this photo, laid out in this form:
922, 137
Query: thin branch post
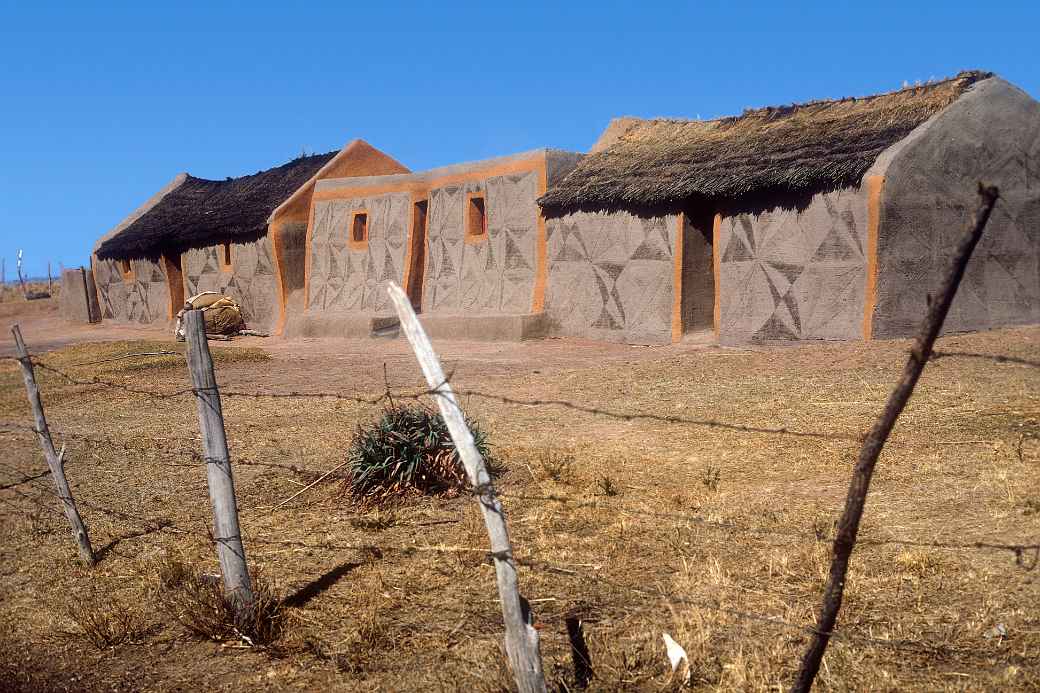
50, 286
21, 279
55, 461
226, 532
848, 525
521, 638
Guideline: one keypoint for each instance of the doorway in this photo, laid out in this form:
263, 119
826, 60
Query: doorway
417, 270
698, 272
174, 281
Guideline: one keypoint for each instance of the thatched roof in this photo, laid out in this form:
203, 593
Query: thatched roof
801, 148
201, 212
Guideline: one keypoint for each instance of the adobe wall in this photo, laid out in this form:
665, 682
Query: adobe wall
990, 134
78, 299
142, 297
250, 280
612, 276
794, 274
496, 273
347, 277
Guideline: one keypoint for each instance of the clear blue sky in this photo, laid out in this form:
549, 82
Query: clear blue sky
102, 104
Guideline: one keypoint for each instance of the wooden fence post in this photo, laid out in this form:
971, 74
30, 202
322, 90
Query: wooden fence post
521, 637
55, 462
848, 525
226, 533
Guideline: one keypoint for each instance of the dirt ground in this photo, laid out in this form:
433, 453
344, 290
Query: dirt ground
685, 489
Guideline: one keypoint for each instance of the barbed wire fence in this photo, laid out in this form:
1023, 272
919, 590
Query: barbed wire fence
518, 617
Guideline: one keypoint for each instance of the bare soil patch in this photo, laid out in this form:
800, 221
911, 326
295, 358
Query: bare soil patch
688, 490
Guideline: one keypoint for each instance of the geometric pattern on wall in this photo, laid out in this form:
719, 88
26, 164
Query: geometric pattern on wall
142, 300
788, 274
354, 280
611, 276
495, 276
929, 194
251, 282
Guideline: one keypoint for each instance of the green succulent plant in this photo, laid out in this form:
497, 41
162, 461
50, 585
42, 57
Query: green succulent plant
409, 450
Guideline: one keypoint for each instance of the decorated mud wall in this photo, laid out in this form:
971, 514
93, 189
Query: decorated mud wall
249, 278
140, 295
794, 273
465, 241
77, 301
348, 275
927, 196
612, 276
492, 273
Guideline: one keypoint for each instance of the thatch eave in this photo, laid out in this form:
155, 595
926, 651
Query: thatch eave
798, 149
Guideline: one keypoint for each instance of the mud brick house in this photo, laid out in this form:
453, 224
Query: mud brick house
825, 220
242, 237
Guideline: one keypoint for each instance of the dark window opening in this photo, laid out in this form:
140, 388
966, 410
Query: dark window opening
124, 266
359, 228
476, 224
227, 254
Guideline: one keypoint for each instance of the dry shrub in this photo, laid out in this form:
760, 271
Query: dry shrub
103, 621
197, 602
556, 466
407, 451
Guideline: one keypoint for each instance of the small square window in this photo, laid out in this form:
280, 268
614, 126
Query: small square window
476, 217
358, 229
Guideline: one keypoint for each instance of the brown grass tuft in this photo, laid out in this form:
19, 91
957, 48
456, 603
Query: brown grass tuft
103, 621
197, 602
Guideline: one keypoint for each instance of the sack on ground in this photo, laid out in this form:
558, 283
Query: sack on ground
221, 314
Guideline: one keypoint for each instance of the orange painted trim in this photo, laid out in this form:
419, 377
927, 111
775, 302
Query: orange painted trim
875, 184
423, 187
716, 266
677, 278
307, 246
352, 243
469, 237
274, 233
541, 272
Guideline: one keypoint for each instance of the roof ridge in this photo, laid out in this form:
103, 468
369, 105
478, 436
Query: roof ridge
971, 76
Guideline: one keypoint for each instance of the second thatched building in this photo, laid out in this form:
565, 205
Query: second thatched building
827, 220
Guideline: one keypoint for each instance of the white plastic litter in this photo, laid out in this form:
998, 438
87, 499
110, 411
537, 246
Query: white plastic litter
676, 654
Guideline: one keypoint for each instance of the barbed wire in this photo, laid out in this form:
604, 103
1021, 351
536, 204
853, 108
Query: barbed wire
388, 396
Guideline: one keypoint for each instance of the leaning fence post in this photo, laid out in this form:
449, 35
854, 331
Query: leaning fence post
848, 525
226, 533
55, 462
521, 637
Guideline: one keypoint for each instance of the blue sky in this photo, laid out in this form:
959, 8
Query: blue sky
102, 104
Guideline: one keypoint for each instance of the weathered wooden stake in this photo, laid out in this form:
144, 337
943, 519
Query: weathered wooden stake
848, 525
55, 462
580, 657
521, 637
226, 533
50, 288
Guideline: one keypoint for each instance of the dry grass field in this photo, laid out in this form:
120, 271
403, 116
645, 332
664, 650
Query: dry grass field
700, 505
